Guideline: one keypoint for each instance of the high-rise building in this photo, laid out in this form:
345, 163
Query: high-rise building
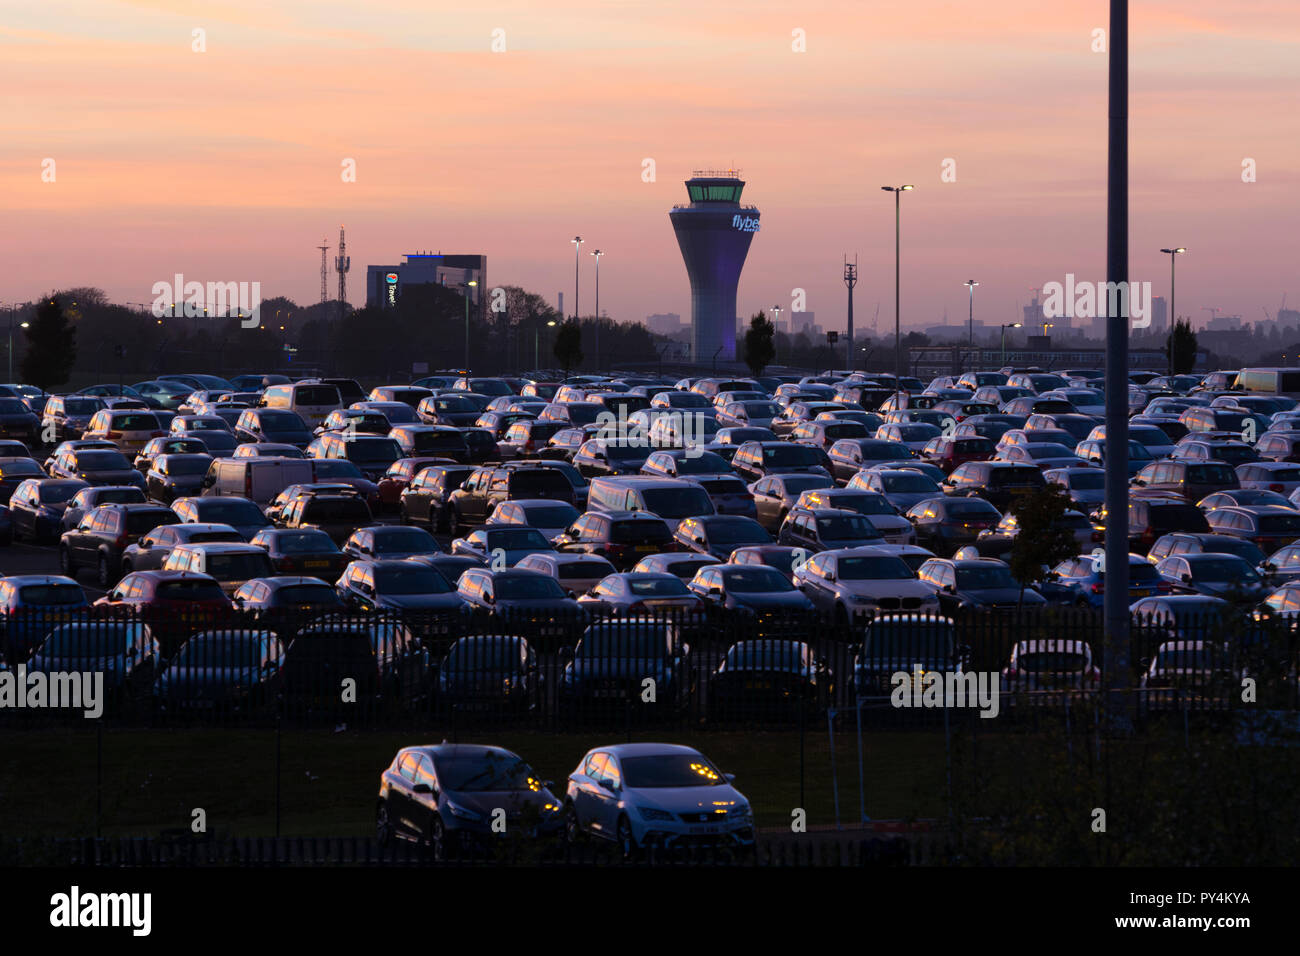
1160, 315
664, 323
714, 232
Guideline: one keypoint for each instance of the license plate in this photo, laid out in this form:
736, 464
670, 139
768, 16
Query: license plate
758, 685
315, 564
645, 549
708, 829
611, 693
1141, 592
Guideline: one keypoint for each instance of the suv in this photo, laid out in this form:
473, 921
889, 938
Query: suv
336, 515
230, 564
475, 500
1000, 483
102, 537
622, 537
1190, 480
1152, 518
424, 500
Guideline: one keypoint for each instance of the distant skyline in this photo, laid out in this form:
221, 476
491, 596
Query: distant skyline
225, 165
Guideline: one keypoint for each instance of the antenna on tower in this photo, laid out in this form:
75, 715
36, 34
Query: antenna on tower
342, 263
324, 271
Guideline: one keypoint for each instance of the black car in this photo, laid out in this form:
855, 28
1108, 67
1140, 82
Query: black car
453, 798
284, 603
768, 678
302, 551
610, 665
977, 584
101, 538
490, 672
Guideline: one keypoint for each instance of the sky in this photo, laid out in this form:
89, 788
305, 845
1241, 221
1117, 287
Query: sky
226, 163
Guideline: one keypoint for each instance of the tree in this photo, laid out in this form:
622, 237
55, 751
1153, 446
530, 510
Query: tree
1181, 348
51, 346
568, 346
1043, 539
759, 347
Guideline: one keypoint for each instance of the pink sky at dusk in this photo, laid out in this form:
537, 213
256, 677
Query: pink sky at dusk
225, 165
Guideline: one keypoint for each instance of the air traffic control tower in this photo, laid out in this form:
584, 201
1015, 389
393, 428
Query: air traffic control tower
714, 232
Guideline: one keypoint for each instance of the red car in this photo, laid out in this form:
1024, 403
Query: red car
949, 451
174, 604
399, 476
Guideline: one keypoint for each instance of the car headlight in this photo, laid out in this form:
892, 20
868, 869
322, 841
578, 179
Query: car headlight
463, 813
742, 812
650, 813
551, 808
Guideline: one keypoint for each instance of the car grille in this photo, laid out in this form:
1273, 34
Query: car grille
707, 816
894, 604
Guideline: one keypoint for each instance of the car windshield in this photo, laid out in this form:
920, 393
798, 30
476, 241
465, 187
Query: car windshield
1092, 480
192, 590
584, 569
640, 532
404, 540
135, 423
239, 566
622, 642
486, 653
53, 493
776, 655
232, 512
971, 508
1224, 571
104, 460
230, 649
670, 770
302, 542
738, 532
65, 594
909, 643
327, 468
82, 406
187, 466
845, 527
372, 450
677, 502
490, 770
872, 569
550, 516
985, 577
657, 587
517, 539
416, 579
318, 594
790, 456
909, 484
1059, 661
533, 587
85, 641
756, 580
705, 464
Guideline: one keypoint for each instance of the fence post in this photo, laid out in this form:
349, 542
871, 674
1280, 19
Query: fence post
277, 777
99, 775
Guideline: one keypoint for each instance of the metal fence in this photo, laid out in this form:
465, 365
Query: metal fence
562, 672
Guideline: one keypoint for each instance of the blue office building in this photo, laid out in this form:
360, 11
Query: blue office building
714, 232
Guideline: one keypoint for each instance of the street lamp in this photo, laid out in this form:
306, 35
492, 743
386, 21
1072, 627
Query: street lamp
13, 307
1173, 255
467, 286
596, 360
1009, 325
898, 335
971, 284
577, 248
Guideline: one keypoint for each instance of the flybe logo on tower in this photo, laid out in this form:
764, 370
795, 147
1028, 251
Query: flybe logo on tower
744, 223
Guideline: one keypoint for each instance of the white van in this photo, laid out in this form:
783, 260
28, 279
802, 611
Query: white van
313, 401
669, 498
1283, 382
258, 479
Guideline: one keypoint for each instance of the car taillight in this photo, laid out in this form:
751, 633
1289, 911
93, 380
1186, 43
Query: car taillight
1097, 588
1164, 587
114, 435
1260, 541
1099, 536
1276, 487
157, 434
1094, 675
1012, 673
284, 564
248, 483
638, 606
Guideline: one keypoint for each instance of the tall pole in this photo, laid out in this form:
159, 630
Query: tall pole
467, 286
577, 247
1116, 596
597, 254
898, 334
850, 280
970, 347
1173, 312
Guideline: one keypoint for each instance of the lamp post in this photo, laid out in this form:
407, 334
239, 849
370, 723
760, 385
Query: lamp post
577, 247
467, 286
970, 348
1173, 315
898, 335
596, 347
13, 306
1009, 325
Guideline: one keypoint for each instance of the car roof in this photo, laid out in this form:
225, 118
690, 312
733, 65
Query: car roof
644, 749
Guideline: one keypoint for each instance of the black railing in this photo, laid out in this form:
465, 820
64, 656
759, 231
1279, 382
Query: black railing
557, 672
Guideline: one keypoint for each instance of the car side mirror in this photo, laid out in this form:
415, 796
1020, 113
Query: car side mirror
729, 777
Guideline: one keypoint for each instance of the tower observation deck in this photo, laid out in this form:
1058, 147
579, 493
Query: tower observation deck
714, 232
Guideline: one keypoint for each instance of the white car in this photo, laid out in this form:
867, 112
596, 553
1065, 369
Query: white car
663, 795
